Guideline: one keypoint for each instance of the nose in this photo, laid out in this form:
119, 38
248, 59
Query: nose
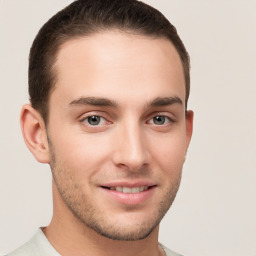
131, 151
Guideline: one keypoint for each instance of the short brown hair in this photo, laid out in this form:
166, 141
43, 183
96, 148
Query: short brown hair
83, 18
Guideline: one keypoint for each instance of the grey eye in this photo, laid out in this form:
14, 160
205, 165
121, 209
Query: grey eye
159, 120
94, 120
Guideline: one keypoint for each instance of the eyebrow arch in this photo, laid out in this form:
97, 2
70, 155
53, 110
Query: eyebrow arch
158, 102
94, 102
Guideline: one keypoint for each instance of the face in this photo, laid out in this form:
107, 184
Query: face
118, 131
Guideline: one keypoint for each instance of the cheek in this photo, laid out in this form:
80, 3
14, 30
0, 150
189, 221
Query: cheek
170, 151
81, 153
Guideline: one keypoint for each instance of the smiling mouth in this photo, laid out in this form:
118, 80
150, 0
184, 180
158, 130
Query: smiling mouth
128, 190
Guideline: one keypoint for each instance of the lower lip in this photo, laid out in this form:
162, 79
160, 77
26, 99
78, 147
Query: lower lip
130, 198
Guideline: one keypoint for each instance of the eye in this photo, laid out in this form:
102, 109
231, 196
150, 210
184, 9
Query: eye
160, 120
95, 120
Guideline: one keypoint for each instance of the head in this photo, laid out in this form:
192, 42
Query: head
83, 18
109, 84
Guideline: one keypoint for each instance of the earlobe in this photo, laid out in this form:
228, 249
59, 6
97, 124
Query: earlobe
34, 133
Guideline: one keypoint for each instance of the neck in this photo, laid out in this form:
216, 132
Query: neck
69, 236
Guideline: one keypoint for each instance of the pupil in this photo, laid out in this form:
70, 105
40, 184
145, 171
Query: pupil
93, 120
159, 120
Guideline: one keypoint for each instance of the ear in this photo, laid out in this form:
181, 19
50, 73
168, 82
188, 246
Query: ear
34, 133
189, 126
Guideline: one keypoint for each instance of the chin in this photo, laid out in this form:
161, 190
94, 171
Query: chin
124, 233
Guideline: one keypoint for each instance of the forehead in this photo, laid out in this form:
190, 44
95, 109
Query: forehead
119, 65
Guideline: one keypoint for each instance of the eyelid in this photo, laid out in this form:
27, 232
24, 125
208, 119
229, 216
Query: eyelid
165, 114
100, 114
167, 122
92, 113
102, 121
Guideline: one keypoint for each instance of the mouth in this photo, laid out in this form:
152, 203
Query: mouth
129, 194
130, 190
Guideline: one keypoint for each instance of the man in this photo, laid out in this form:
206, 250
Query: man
109, 85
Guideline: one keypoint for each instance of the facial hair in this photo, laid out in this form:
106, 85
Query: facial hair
92, 216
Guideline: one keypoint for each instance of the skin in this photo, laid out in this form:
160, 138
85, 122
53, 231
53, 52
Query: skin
134, 87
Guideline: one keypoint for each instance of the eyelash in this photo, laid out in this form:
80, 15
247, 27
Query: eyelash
86, 119
167, 120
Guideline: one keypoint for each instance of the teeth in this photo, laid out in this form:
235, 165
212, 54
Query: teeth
130, 190
142, 188
127, 190
135, 190
119, 189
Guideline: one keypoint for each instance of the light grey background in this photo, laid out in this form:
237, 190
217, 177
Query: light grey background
215, 211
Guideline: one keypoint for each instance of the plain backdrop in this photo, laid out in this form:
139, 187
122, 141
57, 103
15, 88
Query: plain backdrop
214, 213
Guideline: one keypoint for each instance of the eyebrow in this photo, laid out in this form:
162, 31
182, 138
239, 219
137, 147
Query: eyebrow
94, 102
166, 101
158, 102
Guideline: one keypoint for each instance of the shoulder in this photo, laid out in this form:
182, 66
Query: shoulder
169, 252
27, 249
37, 246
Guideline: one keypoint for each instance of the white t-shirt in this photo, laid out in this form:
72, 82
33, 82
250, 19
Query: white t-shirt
40, 246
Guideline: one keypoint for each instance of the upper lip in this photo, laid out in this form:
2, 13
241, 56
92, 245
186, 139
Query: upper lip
128, 184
